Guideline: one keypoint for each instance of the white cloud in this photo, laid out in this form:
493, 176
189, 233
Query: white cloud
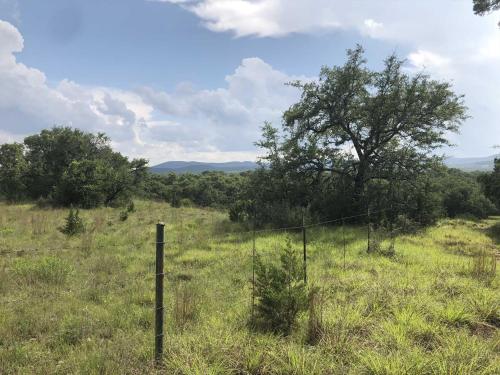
445, 37
424, 59
226, 118
188, 123
372, 28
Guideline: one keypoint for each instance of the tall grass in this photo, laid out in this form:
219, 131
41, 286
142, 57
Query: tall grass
85, 304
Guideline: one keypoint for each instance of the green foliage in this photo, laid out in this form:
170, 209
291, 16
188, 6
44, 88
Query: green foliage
207, 189
123, 215
462, 195
483, 7
280, 291
131, 207
13, 167
421, 312
68, 167
74, 223
490, 183
391, 119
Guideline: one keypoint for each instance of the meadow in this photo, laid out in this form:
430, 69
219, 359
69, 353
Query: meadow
85, 304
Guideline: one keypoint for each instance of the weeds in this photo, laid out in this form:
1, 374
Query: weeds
186, 304
484, 266
316, 303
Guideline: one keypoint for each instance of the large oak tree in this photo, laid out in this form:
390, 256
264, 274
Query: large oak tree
364, 124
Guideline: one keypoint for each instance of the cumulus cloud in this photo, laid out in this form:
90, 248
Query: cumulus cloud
445, 38
226, 118
187, 123
28, 103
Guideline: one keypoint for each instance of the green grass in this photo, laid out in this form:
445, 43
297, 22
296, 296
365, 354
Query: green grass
85, 304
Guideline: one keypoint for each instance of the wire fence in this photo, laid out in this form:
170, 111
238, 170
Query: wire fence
262, 243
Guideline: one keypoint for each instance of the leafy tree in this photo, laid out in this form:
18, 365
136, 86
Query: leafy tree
52, 151
12, 171
391, 121
69, 167
491, 184
482, 7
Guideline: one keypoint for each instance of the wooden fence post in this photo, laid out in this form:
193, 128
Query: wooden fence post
160, 242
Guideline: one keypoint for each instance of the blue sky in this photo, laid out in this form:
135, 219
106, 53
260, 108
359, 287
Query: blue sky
195, 79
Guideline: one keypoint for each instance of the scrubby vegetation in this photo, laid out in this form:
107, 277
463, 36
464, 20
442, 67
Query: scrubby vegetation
74, 305
401, 263
65, 166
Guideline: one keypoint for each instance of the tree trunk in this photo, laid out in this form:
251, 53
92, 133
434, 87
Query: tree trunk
359, 186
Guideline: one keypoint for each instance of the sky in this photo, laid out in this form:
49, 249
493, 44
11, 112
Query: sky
196, 79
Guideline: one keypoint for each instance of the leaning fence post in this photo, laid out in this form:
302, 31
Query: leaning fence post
160, 242
305, 247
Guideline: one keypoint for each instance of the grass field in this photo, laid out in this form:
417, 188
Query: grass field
85, 304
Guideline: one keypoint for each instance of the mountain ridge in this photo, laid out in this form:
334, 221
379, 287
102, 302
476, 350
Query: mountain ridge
180, 166
483, 163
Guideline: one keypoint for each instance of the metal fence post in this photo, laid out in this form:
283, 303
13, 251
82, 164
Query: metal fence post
160, 242
343, 237
368, 249
253, 270
305, 246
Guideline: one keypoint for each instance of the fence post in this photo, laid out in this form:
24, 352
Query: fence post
253, 269
160, 242
305, 246
343, 237
368, 249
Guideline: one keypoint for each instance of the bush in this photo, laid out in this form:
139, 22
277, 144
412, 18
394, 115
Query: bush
74, 224
131, 207
280, 292
123, 215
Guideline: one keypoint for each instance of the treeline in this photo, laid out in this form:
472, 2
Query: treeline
358, 143
65, 166
273, 198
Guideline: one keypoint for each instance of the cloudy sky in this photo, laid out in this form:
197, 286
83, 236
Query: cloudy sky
195, 79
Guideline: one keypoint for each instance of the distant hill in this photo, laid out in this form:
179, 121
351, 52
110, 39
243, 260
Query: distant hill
472, 164
465, 164
198, 167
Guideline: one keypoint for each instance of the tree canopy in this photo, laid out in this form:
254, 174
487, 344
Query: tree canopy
482, 7
365, 125
68, 167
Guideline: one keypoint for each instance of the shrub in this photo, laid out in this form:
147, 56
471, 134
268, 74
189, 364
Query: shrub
74, 224
280, 292
131, 207
123, 215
